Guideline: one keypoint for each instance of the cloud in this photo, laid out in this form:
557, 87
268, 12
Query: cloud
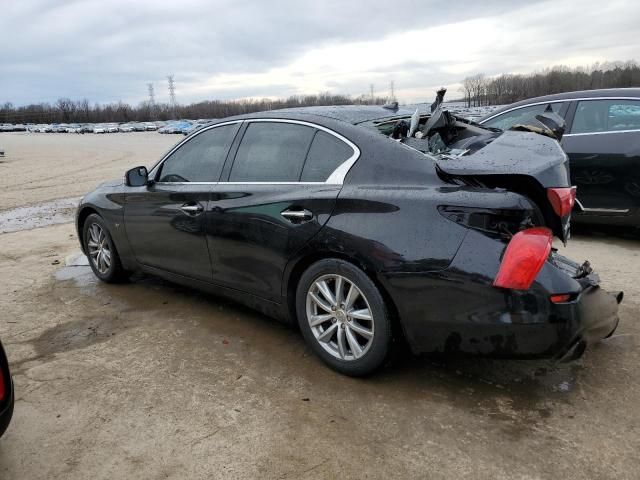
107, 51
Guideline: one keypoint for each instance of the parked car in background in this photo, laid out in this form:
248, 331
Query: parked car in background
99, 129
139, 127
334, 218
150, 127
602, 140
6, 392
125, 127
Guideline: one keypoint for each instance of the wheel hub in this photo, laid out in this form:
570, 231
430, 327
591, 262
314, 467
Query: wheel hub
340, 317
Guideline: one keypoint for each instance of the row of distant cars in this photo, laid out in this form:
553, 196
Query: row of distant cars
172, 126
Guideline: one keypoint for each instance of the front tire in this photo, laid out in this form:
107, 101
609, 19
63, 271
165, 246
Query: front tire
343, 317
101, 250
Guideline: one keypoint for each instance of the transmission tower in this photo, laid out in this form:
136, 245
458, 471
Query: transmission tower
371, 93
392, 91
172, 93
152, 95
152, 101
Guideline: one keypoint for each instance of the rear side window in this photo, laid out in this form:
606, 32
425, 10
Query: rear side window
520, 115
594, 116
200, 159
271, 152
327, 152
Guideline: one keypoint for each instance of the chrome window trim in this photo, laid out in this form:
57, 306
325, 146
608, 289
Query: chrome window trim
558, 101
600, 210
608, 132
336, 178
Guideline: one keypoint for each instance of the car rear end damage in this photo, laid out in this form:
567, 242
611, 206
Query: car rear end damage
507, 291
460, 311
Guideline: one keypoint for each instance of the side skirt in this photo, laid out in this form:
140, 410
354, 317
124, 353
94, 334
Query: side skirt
271, 309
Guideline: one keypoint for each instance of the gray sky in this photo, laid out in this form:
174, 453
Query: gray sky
108, 50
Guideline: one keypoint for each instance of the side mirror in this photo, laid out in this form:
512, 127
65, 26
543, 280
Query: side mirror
137, 177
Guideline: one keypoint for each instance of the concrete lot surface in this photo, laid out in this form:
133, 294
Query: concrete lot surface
151, 380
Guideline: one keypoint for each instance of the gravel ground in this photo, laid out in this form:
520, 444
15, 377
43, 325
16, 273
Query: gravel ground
152, 380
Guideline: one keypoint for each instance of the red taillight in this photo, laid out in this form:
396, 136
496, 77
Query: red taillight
526, 253
3, 390
562, 199
560, 298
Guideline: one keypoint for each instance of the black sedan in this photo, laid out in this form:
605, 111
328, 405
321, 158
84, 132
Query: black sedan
603, 144
335, 219
6, 392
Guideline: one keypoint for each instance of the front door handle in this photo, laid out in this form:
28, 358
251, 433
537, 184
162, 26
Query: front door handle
297, 215
192, 208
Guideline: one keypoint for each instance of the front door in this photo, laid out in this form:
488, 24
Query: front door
165, 221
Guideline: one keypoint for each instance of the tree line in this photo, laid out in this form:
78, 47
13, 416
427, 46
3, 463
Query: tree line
508, 88
65, 110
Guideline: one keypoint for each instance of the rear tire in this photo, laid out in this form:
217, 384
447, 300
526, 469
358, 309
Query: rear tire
101, 250
343, 317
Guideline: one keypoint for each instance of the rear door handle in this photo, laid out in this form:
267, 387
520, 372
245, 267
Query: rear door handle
297, 215
192, 208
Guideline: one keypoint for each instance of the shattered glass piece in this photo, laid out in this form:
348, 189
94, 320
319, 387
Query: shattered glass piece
415, 121
436, 144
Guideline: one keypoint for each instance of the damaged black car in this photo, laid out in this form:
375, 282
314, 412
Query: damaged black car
369, 227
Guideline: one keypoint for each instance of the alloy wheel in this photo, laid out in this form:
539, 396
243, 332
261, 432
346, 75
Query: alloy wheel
98, 246
340, 317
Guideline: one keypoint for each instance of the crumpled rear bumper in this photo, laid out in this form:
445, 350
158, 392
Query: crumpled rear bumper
592, 317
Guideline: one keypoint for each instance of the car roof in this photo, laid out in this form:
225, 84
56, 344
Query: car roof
353, 114
600, 93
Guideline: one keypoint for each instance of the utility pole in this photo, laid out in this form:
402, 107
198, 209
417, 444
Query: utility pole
172, 94
152, 101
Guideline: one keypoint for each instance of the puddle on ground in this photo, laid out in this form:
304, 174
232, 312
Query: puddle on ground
40, 215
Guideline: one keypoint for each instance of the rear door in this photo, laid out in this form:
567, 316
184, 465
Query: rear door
279, 189
165, 221
603, 145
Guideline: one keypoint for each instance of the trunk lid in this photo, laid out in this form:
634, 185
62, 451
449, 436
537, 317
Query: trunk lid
523, 162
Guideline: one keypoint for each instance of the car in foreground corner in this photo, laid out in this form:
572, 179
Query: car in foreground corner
603, 144
364, 225
6, 392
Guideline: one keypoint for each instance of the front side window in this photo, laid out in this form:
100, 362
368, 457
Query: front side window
594, 116
272, 152
200, 159
522, 115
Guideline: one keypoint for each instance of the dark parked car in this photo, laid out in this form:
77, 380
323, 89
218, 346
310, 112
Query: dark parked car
6, 392
332, 218
603, 144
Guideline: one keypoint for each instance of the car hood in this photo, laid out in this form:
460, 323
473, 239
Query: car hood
116, 182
